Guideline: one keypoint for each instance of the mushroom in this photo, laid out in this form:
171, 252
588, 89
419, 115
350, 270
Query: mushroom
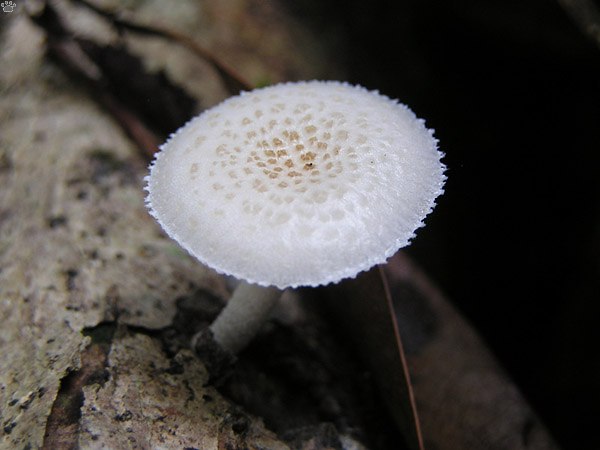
297, 184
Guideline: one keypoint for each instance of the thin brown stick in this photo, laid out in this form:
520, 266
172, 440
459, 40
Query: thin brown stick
233, 81
145, 139
67, 52
367, 315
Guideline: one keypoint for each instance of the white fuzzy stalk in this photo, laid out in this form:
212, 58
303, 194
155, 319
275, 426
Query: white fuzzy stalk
244, 314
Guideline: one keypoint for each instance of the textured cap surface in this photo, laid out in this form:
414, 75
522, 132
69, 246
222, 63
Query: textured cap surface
298, 184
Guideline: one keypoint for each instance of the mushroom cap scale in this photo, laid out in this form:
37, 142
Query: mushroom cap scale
297, 184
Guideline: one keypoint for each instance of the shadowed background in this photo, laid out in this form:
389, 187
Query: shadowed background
513, 92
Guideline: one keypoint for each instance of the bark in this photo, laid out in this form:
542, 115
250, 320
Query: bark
464, 398
80, 256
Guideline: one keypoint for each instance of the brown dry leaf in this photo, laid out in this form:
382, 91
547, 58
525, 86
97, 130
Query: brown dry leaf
464, 398
364, 307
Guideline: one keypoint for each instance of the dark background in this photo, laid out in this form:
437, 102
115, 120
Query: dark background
512, 89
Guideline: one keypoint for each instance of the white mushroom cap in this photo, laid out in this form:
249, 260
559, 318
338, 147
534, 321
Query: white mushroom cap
298, 184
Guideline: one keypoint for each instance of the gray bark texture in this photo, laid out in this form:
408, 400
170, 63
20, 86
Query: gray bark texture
78, 250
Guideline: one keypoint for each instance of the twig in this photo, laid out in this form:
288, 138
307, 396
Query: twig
233, 81
69, 53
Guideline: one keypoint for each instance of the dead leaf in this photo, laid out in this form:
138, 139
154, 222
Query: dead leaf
364, 307
464, 398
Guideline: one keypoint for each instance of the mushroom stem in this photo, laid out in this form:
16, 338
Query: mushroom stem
244, 314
